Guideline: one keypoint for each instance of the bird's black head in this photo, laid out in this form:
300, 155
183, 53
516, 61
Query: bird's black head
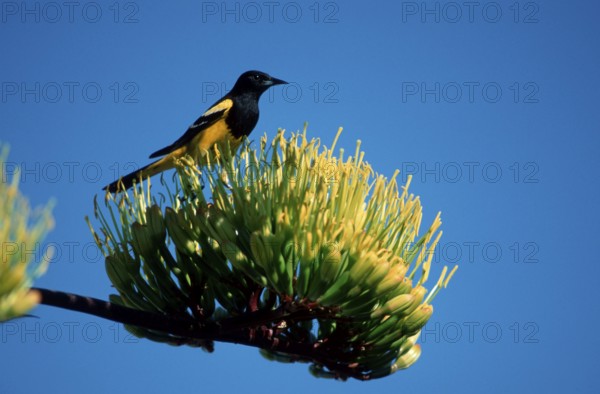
255, 82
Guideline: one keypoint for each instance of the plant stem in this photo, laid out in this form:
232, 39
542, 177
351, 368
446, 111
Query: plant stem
252, 329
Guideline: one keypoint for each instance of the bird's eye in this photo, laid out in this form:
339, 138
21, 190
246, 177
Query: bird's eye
256, 77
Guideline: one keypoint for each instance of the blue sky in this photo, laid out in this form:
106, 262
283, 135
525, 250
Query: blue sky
493, 108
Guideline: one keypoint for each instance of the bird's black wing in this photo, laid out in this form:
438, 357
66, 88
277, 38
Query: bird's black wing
212, 115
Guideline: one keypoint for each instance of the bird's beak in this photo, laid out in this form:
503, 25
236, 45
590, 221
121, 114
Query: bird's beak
275, 81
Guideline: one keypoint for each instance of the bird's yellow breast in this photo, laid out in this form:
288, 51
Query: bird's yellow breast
211, 135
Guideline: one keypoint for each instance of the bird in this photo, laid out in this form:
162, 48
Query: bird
232, 117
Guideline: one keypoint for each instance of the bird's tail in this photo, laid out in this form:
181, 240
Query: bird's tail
151, 169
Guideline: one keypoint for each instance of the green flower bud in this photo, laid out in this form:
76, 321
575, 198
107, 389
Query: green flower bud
392, 279
396, 305
417, 319
331, 259
177, 233
407, 359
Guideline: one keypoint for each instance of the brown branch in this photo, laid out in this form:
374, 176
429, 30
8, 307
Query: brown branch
251, 329
122, 314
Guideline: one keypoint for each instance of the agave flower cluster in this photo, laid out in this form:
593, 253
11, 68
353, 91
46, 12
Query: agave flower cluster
21, 231
324, 250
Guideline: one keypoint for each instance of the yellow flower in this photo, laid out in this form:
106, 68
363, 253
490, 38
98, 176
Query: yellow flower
20, 232
287, 226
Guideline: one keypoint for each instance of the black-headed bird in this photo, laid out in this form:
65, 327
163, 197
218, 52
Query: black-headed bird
234, 116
